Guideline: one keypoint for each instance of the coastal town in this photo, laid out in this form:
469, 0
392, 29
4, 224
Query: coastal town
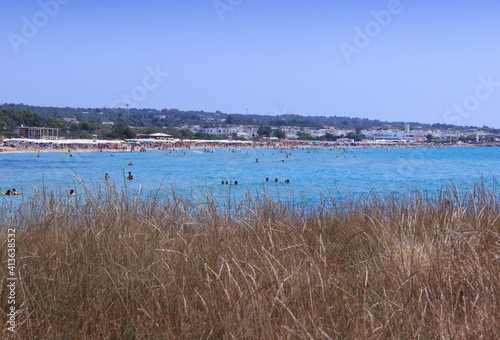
387, 134
37, 138
31, 128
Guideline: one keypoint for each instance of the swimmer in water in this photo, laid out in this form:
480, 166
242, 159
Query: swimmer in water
276, 180
106, 176
257, 160
130, 163
130, 177
72, 192
235, 182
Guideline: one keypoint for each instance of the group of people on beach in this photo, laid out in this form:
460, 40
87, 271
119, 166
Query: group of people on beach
36, 145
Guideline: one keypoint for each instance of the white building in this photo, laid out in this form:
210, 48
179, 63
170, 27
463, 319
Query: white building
71, 120
227, 131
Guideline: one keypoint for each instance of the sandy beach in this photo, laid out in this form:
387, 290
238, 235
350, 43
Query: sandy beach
215, 145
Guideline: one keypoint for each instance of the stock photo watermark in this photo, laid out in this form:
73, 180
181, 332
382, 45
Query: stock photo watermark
224, 6
11, 279
31, 26
485, 88
372, 29
150, 82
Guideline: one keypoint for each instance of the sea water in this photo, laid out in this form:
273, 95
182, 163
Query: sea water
311, 171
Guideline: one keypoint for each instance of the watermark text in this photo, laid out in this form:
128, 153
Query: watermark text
153, 78
485, 88
11, 278
364, 35
31, 26
224, 6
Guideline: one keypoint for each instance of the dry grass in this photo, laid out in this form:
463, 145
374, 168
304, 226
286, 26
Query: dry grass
108, 265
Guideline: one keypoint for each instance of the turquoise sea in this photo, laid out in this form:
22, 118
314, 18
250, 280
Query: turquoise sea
310, 170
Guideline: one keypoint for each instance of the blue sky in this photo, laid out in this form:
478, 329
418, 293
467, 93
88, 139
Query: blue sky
411, 60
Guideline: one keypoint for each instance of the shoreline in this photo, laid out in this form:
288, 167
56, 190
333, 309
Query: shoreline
18, 150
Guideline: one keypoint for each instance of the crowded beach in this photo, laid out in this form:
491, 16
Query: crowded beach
65, 145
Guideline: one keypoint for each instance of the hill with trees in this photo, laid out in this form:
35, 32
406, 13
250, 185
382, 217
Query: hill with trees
100, 120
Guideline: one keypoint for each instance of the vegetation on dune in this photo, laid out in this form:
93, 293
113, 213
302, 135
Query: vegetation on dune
109, 263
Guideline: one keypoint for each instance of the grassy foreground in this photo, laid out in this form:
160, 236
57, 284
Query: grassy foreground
104, 265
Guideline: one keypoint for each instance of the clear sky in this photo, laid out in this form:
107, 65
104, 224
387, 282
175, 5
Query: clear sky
411, 60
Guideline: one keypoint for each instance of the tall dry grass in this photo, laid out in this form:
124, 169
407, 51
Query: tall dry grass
107, 264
